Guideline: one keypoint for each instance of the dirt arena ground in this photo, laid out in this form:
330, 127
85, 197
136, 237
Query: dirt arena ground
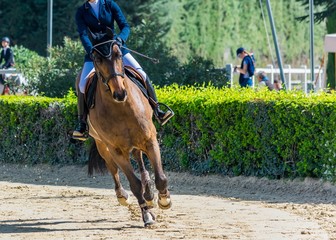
52, 202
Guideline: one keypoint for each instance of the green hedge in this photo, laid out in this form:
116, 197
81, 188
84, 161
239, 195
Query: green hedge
229, 131
34, 130
244, 132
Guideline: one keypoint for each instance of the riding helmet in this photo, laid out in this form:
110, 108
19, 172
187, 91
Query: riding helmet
5, 39
240, 50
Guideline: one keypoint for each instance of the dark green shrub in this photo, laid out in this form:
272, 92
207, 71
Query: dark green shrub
243, 132
215, 130
34, 130
54, 76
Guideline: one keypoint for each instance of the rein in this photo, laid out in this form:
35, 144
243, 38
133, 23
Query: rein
114, 74
154, 60
108, 55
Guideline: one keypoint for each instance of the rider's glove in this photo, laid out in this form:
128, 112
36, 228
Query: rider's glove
91, 53
119, 41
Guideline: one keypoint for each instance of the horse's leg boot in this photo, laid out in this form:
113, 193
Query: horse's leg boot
161, 116
80, 130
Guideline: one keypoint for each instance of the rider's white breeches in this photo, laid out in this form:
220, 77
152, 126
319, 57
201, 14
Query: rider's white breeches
88, 68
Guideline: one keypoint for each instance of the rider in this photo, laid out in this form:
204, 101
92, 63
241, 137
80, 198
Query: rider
7, 55
96, 16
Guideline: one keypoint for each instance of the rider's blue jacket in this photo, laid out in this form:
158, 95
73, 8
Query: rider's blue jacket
109, 12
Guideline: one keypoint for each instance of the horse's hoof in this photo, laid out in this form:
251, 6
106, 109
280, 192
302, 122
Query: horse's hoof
164, 201
150, 204
148, 218
124, 201
123, 197
165, 204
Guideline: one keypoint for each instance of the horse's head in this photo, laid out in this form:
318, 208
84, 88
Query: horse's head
107, 59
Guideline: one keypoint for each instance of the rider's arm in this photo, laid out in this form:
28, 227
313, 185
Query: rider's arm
1, 58
121, 21
242, 70
82, 30
10, 61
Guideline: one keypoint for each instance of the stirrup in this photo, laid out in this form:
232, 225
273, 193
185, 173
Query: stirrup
80, 132
168, 115
76, 135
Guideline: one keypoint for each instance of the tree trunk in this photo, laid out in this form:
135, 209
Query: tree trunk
331, 28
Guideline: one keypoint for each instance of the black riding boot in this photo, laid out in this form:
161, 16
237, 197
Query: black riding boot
161, 116
79, 132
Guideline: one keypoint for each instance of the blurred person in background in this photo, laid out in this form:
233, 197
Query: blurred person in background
246, 69
6, 60
277, 84
263, 81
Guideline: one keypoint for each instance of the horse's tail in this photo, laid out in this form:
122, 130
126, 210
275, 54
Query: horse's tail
96, 162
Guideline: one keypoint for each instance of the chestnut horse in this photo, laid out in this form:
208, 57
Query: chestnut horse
121, 124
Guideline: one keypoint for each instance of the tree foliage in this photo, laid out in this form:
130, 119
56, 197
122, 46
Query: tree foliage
326, 12
328, 8
211, 29
52, 77
25, 22
215, 29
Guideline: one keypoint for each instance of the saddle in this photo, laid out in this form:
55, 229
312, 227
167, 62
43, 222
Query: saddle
131, 73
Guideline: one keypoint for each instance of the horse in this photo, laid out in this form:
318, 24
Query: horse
121, 124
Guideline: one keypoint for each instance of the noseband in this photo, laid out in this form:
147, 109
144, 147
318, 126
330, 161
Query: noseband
104, 49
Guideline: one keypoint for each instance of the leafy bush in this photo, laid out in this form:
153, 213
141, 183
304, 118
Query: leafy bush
217, 130
54, 76
243, 132
61, 69
30, 64
34, 130
197, 70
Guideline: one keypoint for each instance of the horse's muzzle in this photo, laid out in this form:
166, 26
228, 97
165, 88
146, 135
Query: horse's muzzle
120, 96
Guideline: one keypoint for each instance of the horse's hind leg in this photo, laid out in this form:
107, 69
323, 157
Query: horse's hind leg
153, 153
122, 195
147, 183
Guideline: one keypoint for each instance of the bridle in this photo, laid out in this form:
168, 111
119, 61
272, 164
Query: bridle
107, 55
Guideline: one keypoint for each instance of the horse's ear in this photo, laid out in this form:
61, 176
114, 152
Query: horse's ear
109, 32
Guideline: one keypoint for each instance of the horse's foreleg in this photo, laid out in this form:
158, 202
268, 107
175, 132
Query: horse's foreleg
122, 195
147, 183
124, 164
153, 153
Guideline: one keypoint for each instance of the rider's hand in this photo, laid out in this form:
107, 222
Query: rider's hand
119, 41
91, 53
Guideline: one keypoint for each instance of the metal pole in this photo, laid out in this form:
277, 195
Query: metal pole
49, 27
275, 39
311, 15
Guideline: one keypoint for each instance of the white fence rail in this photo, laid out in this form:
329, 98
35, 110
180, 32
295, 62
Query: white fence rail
9, 71
14, 75
296, 78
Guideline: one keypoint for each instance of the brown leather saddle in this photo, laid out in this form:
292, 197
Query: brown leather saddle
131, 73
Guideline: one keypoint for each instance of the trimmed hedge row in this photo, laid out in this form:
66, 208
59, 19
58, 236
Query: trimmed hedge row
229, 131
34, 130
244, 132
